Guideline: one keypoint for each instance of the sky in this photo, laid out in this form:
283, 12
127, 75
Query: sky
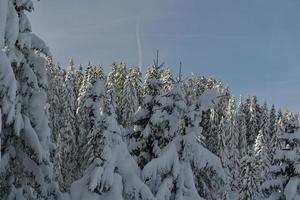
253, 46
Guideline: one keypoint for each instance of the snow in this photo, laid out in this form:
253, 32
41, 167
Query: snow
186, 186
19, 123
79, 190
37, 104
95, 178
4, 161
291, 189
201, 157
26, 4
140, 114
35, 171
290, 155
166, 163
24, 23
167, 129
165, 189
208, 99
39, 64
134, 188
127, 177
3, 16
12, 29
9, 87
32, 140
31, 41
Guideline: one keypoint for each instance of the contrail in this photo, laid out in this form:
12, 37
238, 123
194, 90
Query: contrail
139, 44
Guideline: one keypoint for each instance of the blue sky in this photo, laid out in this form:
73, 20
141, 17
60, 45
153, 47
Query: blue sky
253, 46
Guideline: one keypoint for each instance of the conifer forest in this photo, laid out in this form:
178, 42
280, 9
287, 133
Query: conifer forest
81, 132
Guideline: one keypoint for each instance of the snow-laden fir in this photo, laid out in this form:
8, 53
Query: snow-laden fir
77, 133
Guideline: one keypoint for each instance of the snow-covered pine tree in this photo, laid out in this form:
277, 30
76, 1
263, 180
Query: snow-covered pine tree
115, 83
252, 111
100, 73
94, 104
273, 129
66, 144
54, 92
79, 77
129, 103
231, 136
212, 131
90, 101
273, 121
222, 143
196, 85
242, 130
167, 79
136, 79
55, 100
112, 173
26, 170
112, 90
247, 187
279, 114
263, 147
139, 142
180, 166
284, 181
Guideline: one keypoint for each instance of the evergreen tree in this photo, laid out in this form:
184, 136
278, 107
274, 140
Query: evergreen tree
252, 111
248, 188
55, 89
178, 157
26, 170
136, 80
212, 132
112, 173
79, 77
273, 131
143, 150
263, 147
167, 79
129, 102
284, 181
90, 100
115, 83
242, 130
273, 121
232, 142
66, 144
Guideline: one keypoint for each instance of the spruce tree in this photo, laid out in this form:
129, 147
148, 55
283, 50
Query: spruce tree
242, 130
67, 136
167, 79
26, 169
135, 77
253, 122
142, 148
284, 181
263, 147
90, 100
129, 102
180, 164
247, 187
111, 171
273, 121
55, 100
